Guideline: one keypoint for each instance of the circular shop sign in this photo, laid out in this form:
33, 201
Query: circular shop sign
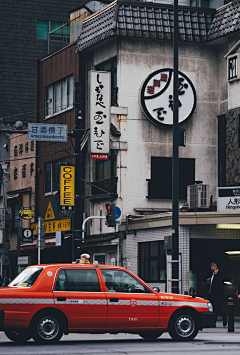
27, 214
157, 97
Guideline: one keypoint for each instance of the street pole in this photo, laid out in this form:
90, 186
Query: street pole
175, 160
39, 238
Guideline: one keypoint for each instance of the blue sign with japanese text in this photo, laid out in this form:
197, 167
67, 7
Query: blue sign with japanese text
47, 132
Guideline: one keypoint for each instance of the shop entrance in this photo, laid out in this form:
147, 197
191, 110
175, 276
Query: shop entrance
203, 252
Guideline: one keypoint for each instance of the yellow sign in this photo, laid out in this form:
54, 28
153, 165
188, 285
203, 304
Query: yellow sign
54, 226
49, 212
27, 214
67, 185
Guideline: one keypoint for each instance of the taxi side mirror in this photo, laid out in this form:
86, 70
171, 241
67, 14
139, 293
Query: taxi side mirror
192, 292
156, 289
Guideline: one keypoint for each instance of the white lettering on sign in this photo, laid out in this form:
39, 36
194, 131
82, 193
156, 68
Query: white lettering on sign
133, 319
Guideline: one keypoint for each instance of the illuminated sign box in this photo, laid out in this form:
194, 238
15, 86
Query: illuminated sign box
67, 185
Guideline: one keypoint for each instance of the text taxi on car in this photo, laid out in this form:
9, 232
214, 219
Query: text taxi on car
46, 301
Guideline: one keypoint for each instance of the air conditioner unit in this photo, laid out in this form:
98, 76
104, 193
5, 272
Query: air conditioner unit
198, 196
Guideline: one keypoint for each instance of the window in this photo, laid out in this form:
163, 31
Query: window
122, 281
111, 66
51, 175
160, 184
106, 169
46, 26
59, 96
27, 277
84, 280
232, 67
152, 261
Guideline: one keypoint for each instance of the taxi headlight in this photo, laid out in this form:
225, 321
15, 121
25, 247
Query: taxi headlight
210, 307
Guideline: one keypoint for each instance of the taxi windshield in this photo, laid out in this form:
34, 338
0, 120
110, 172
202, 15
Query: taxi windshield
27, 277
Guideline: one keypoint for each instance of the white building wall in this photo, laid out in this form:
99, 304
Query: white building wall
136, 60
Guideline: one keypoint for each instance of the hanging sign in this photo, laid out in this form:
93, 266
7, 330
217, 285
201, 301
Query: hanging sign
27, 214
99, 110
156, 97
67, 185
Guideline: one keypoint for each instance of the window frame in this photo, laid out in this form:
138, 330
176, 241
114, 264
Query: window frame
59, 162
146, 275
54, 92
65, 269
50, 24
235, 72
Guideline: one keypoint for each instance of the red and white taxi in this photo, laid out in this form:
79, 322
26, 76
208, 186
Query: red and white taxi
46, 301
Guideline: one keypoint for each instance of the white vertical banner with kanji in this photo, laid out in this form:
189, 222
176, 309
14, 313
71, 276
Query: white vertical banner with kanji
99, 111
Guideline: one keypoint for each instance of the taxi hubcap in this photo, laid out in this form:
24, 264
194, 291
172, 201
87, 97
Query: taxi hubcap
185, 326
48, 328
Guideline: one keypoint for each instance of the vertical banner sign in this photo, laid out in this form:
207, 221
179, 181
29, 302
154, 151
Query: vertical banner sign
67, 185
100, 102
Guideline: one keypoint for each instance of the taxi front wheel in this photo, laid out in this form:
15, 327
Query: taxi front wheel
183, 326
47, 328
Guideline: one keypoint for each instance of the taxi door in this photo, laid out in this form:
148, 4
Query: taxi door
130, 303
78, 293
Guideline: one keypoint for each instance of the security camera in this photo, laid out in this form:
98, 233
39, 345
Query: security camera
19, 125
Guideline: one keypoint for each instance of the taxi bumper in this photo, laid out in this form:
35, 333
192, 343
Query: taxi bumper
1, 319
207, 319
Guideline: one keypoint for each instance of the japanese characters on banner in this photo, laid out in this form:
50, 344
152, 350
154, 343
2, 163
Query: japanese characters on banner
99, 110
156, 97
228, 199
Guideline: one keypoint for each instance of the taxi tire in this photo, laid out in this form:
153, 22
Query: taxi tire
183, 326
19, 336
150, 335
48, 322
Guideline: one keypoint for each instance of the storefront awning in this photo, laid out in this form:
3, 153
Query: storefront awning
49, 243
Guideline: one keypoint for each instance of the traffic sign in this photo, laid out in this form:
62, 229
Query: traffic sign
41, 230
118, 212
27, 235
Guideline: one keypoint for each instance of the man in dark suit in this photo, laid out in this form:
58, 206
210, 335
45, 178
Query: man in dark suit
216, 292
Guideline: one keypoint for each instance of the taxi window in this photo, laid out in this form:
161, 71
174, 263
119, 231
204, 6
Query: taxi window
83, 280
121, 281
27, 277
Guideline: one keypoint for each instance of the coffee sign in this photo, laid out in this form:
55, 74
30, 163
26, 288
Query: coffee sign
156, 97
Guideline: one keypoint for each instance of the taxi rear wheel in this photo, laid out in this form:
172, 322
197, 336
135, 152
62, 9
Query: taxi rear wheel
183, 326
150, 335
47, 328
20, 336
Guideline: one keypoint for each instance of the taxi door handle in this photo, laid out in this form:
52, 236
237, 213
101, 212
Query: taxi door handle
113, 299
61, 298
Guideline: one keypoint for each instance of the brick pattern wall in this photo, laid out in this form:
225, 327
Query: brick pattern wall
19, 50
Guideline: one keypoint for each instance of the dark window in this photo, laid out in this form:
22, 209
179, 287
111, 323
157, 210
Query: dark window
232, 67
106, 169
152, 261
27, 277
111, 66
160, 185
122, 281
85, 280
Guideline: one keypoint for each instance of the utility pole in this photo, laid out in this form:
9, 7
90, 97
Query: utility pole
175, 160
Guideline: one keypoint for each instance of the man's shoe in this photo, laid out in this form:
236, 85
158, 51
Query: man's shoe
224, 322
214, 326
